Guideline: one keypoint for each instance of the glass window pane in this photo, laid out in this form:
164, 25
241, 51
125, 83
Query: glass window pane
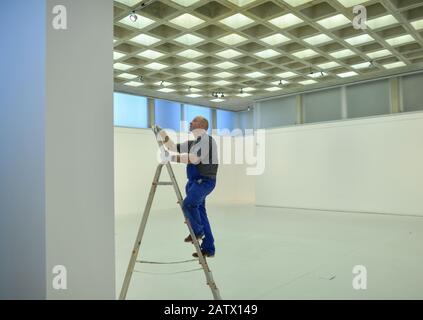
368, 99
130, 111
168, 114
226, 121
323, 106
412, 92
193, 111
278, 112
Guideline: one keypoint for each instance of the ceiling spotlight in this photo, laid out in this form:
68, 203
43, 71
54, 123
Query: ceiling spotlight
249, 109
162, 83
141, 79
241, 91
222, 96
133, 16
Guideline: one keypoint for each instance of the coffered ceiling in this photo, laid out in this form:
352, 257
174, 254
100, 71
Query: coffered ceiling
189, 50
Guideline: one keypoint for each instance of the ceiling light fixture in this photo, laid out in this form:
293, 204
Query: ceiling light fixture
133, 16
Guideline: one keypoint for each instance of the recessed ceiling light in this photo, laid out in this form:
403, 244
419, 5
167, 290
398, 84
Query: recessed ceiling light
191, 66
286, 21
129, 3
163, 84
347, 74
379, 54
189, 39
241, 3
363, 65
187, 21
237, 20
307, 82
117, 55
271, 89
226, 65
224, 75
133, 84
400, 40
328, 65
229, 53
265, 54
280, 82
417, 24
248, 89
192, 75
190, 54
194, 95
193, 83
156, 66
256, 74
342, 53
351, 3
150, 54
145, 40
222, 82
334, 21
127, 76
308, 53
218, 100
317, 74
286, 75
357, 40
184, 3
275, 39
166, 90
244, 95
140, 23
296, 3
122, 66
394, 65
232, 39
319, 39
381, 22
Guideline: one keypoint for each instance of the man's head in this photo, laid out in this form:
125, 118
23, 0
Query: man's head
198, 124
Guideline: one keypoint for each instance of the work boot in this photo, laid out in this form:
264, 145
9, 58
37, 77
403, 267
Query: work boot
204, 253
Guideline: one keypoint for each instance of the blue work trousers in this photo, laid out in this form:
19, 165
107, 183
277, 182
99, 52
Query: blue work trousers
195, 210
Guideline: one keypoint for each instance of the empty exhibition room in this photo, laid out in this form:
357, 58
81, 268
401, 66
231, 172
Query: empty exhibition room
211, 150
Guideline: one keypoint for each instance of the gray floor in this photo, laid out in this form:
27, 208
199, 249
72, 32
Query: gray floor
274, 253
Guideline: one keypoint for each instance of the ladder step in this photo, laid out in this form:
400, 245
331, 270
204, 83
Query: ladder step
164, 183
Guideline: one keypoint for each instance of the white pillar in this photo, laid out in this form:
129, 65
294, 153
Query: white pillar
79, 150
56, 142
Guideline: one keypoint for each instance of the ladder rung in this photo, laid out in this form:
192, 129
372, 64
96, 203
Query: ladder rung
164, 183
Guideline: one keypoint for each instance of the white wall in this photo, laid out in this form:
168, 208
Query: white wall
135, 165
365, 165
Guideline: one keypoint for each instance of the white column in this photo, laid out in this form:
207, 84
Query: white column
79, 150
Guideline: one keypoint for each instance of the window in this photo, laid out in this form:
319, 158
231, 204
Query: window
323, 106
412, 92
278, 112
368, 99
192, 111
226, 121
168, 114
130, 111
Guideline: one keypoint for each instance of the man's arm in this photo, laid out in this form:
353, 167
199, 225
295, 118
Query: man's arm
186, 158
170, 145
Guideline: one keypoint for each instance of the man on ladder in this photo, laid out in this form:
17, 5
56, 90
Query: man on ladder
201, 158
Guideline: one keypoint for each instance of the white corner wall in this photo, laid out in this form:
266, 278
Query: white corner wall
135, 165
363, 165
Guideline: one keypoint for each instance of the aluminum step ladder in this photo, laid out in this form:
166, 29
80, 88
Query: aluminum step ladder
135, 252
